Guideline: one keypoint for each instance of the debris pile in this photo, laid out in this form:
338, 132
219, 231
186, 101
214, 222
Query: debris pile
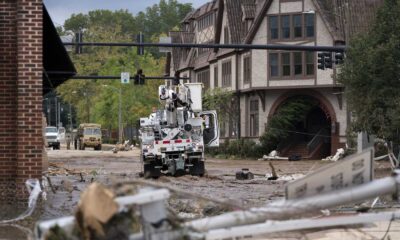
273, 155
339, 155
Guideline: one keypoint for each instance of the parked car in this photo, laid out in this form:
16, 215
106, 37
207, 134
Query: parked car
52, 137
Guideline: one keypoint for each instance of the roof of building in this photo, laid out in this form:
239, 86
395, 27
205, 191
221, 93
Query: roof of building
343, 19
57, 64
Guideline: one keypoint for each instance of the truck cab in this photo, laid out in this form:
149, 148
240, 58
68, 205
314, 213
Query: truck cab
89, 135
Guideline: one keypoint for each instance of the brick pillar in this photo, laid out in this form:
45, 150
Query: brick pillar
8, 100
21, 66
30, 89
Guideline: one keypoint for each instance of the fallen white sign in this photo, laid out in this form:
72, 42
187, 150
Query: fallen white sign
353, 170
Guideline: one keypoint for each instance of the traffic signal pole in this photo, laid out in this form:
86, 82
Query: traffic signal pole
283, 47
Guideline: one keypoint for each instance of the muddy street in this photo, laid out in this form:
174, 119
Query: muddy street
219, 181
71, 171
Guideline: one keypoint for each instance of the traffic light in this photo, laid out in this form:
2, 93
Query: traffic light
339, 58
328, 60
321, 61
139, 78
139, 39
78, 39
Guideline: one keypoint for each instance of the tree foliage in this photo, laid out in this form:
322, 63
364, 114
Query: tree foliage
371, 75
222, 101
286, 119
93, 101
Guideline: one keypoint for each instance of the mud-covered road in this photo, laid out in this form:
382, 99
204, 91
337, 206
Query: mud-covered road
219, 182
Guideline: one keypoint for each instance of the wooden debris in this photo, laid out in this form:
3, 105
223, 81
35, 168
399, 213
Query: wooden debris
96, 207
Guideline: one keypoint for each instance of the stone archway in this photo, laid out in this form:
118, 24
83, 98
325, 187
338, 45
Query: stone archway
322, 116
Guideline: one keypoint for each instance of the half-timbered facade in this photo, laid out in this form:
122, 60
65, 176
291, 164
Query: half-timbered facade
264, 80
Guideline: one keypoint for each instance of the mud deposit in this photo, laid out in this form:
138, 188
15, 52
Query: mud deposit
108, 168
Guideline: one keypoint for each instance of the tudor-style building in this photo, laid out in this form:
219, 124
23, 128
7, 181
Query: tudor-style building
264, 80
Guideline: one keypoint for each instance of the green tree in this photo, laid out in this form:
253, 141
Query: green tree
222, 101
96, 103
371, 75
286, 119
76, 22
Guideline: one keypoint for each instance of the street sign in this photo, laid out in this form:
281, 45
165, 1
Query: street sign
165, 40
353, 170
125, 77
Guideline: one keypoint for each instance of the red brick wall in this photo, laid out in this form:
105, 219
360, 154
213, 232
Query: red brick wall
21, 140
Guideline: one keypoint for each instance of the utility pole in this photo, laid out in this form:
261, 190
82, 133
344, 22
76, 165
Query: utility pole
120, 117
70, 118
59, 114
120, 130
56, 111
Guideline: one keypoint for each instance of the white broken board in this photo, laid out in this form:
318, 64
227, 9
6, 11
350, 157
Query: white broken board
353, 170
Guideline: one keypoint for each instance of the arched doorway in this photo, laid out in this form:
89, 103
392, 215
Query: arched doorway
311, 135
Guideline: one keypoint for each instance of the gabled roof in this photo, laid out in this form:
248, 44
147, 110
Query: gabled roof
357, 16
262, 7
347, 18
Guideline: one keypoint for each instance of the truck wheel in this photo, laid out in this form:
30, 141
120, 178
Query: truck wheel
99, 147
150, 171
198, 168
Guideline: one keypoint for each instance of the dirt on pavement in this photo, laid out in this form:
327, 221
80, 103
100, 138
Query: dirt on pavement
218, 183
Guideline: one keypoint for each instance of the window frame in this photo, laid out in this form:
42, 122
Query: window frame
203, 77
216, 83
292, 27
254, 117
226, 74
247, 68
292, 75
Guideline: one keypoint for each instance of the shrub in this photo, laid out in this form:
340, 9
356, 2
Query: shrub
242, 148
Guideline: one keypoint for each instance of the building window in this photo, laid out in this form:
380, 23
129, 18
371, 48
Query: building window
247, 69
291, 27
286, 64
226, 35
309, 24
254, 118
216, 76
226, 74
273, 26
205, 21
297, 26
273, 64
285, 27
298, 63
291, 64
204, 77
310, 65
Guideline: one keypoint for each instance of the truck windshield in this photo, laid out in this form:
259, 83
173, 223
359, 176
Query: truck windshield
51, 130
92, 131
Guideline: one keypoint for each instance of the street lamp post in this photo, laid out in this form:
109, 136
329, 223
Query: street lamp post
119, 111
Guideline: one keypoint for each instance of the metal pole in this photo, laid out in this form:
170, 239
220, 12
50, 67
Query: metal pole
226, 46
296, 208
120, 117
56, 109
70, 118
59, 114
